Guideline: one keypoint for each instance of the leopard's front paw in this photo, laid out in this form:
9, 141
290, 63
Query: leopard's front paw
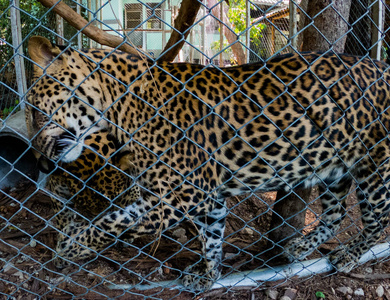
201, 277
344, 261
297, 249
71, 245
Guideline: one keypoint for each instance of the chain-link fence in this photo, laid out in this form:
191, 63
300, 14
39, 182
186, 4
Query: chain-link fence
136, 155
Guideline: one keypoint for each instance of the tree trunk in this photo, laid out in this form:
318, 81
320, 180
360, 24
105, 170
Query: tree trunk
328, 25
183, 22
288, 217
229, 33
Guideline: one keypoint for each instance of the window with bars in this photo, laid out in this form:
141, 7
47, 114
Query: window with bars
153, 15
134, 15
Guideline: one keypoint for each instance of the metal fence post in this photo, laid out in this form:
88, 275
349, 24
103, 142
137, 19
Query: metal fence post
293, 26
18, 50
377, 29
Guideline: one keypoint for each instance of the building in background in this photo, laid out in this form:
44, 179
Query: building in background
148, 26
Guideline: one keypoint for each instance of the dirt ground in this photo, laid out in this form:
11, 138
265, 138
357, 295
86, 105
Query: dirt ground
27, 241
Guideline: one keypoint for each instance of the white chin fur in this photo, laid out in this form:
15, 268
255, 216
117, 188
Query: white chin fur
72, 154
72, 150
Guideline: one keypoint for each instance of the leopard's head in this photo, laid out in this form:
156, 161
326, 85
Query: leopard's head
64, 104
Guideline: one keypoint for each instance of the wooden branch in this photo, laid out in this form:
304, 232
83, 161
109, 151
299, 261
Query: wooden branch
184, 20
91, 31
367, 277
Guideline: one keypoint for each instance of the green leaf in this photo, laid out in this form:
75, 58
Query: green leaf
320, 295
5, 112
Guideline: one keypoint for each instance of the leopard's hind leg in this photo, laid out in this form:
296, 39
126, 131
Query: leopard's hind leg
333, 207
373, 196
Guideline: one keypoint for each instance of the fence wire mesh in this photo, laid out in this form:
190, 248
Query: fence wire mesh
79, 199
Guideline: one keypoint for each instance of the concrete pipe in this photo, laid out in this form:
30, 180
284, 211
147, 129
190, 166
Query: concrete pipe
17, 162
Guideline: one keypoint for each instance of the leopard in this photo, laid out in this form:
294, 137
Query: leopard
201, 134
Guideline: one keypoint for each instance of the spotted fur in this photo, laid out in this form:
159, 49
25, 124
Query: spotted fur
201, 134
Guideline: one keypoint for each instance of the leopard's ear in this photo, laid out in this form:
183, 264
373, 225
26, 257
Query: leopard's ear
42, 52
